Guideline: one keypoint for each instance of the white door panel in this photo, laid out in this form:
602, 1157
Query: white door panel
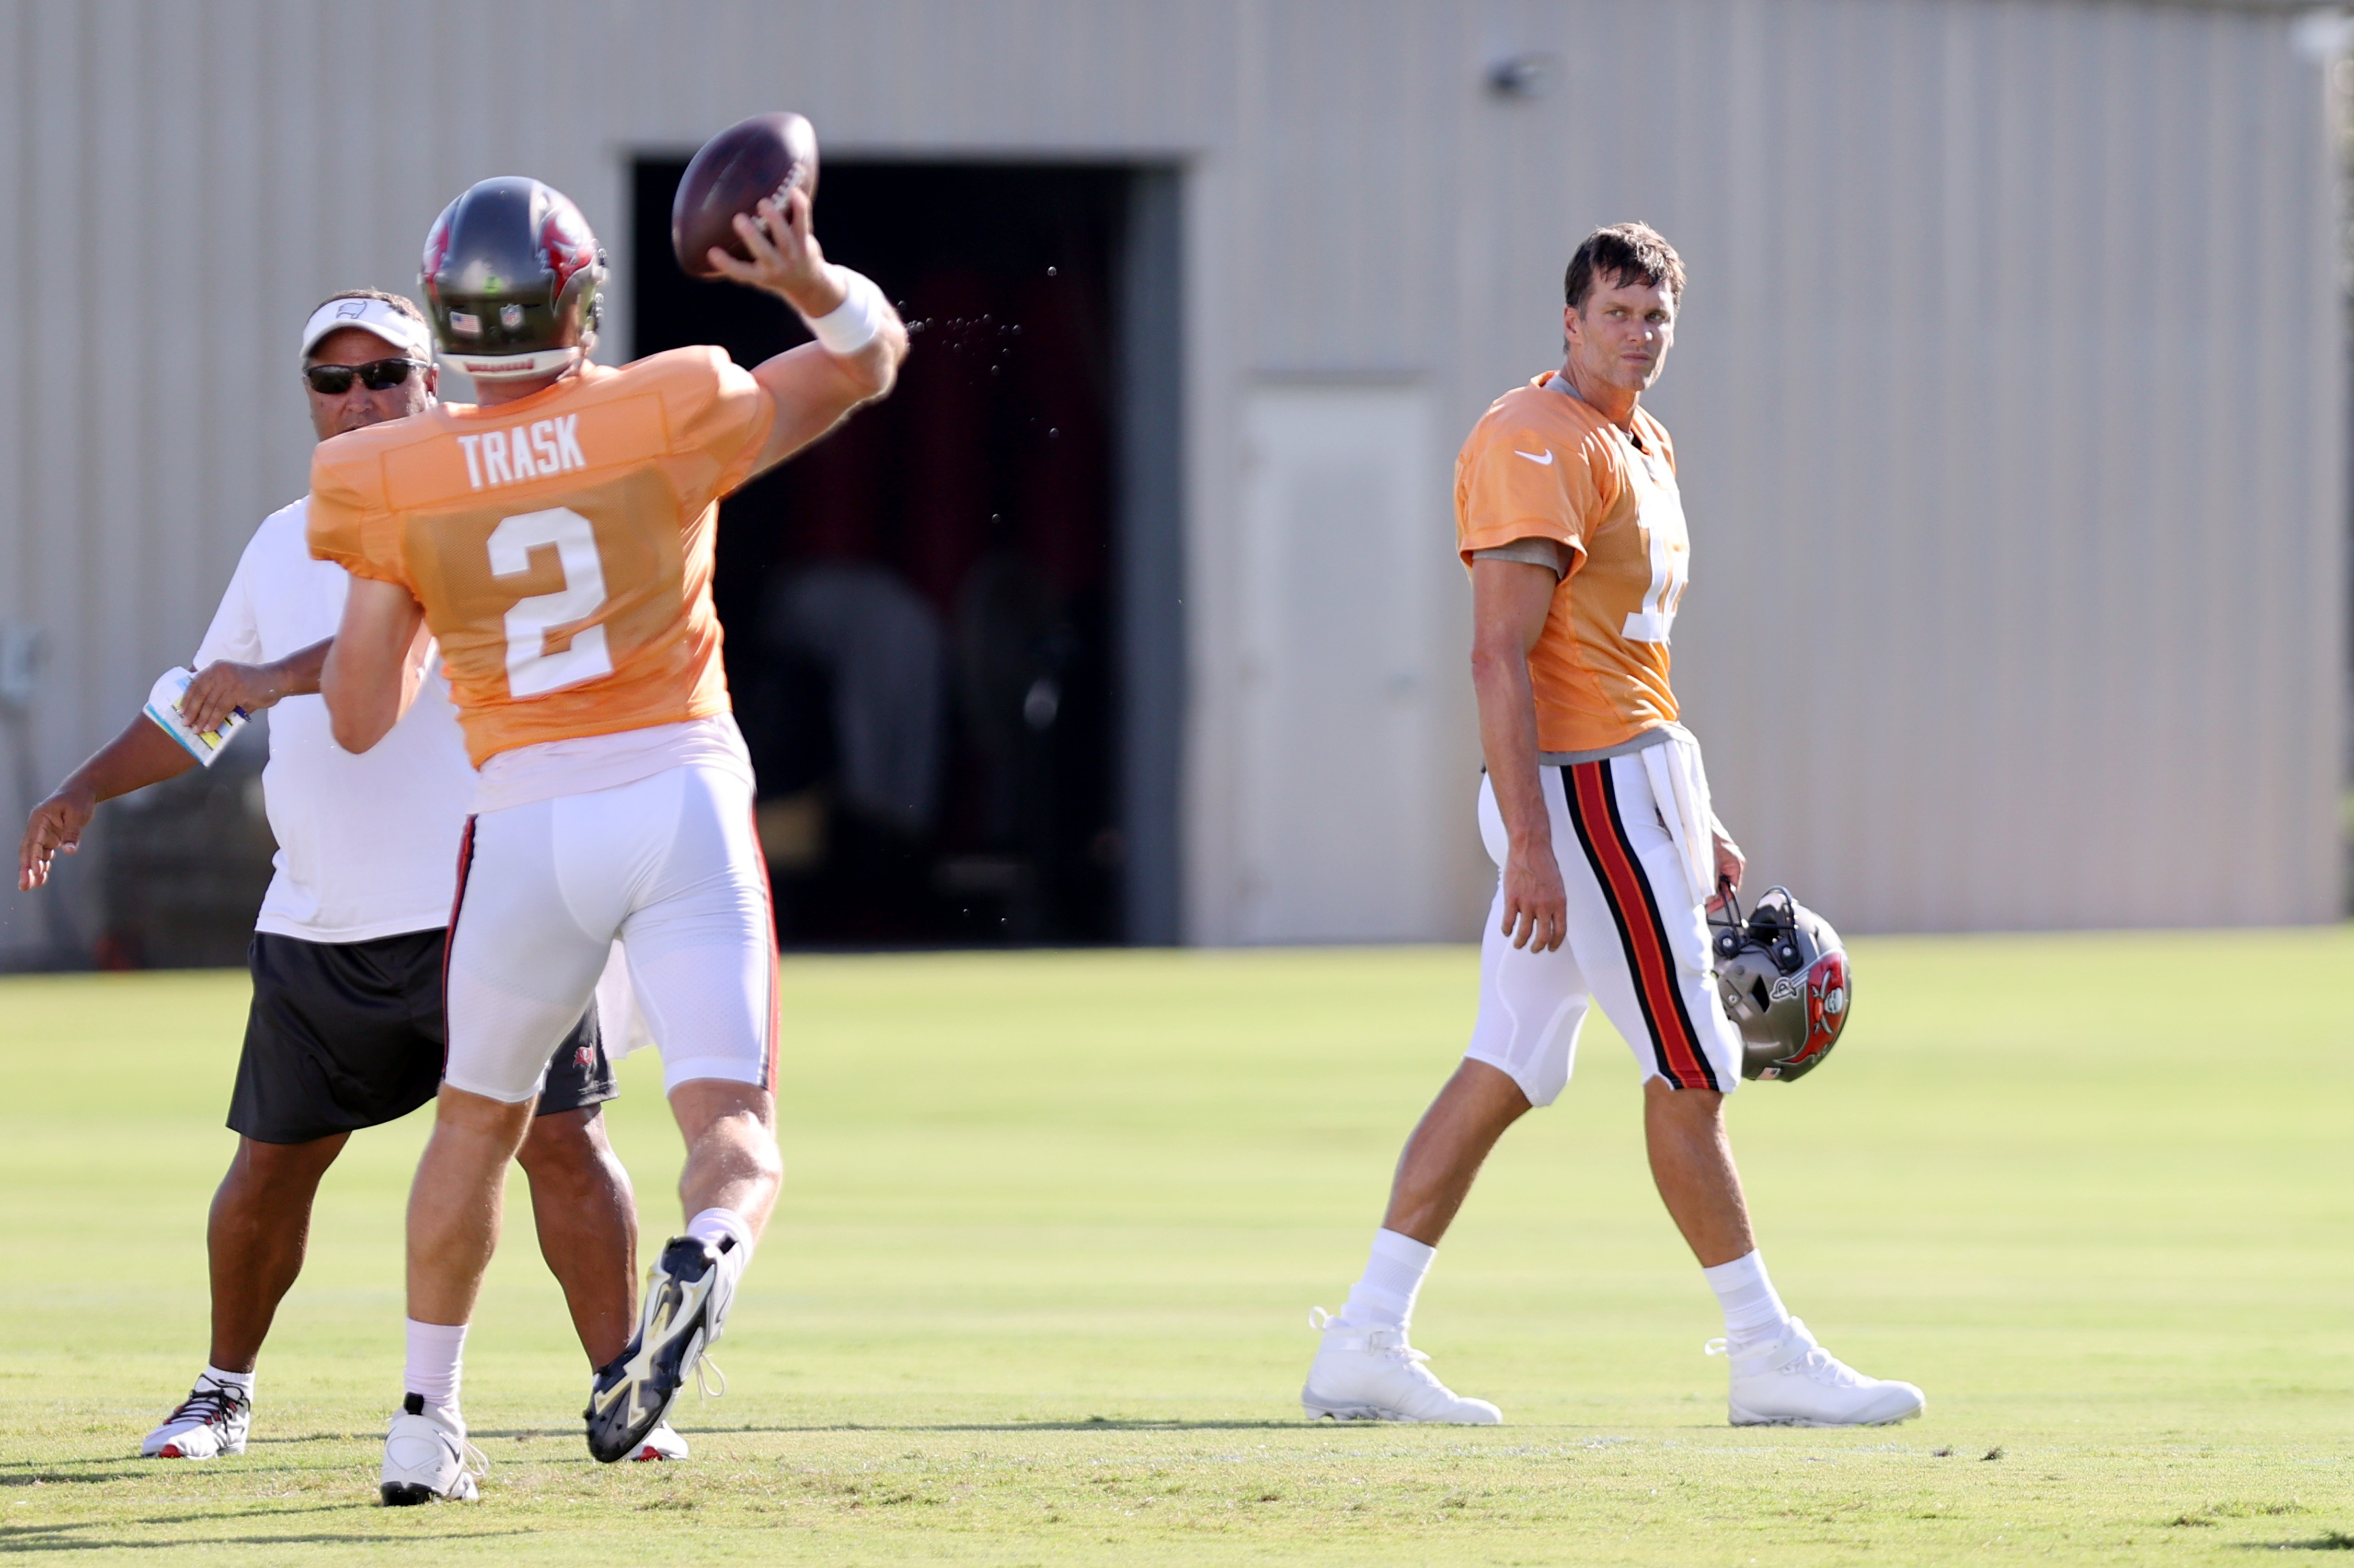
1344, 535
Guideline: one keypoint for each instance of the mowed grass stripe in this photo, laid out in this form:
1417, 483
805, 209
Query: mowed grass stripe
1038, 1288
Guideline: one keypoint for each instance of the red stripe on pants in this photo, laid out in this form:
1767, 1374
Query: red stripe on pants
776, 1001
1647, 955
449, 937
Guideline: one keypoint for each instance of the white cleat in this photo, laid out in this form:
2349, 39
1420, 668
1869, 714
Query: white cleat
210, 1422
1797, 1382
663, 1443
427, 1457
1373, 1375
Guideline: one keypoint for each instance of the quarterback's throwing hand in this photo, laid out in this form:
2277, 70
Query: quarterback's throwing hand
786, 260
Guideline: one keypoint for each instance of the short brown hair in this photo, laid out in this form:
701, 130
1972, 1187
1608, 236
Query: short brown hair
1624, 253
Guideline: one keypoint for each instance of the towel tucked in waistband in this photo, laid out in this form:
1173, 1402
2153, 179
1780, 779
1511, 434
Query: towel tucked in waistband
1679, 785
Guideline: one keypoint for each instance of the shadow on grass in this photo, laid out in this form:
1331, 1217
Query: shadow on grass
10, 1542
75, 1535
1277, 1423
1091, 1424
95, 1472
2327, 1541
48, 1476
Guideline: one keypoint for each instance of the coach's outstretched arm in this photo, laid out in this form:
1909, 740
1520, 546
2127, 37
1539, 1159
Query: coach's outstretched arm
143, 754
376, 665
813, 386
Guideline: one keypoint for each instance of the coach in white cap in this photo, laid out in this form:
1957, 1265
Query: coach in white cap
346, 1024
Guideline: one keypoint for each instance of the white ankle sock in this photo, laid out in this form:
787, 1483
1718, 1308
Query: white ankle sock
435, 1354
1753, 1315
231, 1380
1384, 1298
713, 1224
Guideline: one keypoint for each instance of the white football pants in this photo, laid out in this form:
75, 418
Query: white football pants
1638, 944
669, 864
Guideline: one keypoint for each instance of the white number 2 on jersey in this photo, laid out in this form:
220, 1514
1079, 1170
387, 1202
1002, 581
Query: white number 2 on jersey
531, 668
1658, 617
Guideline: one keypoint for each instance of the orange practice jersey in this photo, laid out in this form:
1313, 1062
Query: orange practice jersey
561, 544
1543, 464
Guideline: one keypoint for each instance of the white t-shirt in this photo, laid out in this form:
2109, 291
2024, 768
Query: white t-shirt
367, 845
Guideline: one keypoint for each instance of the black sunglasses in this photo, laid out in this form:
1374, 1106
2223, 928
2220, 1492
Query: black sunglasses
376, 375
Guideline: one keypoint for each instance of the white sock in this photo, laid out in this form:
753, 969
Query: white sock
1753, 1315
1384, 1298
435, 1354
231, 1380
714, 1226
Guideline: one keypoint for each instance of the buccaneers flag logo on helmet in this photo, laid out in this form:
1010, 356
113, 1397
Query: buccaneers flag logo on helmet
1786, 983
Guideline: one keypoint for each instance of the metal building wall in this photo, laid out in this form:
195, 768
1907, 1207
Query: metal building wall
2009, 401
2008, 392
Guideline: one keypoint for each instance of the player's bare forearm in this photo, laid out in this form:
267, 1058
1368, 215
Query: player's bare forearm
1507, 744
874, 369
222, 688
1536, 904
142, 755
375, 664
813, 388
814, 391
1510, 602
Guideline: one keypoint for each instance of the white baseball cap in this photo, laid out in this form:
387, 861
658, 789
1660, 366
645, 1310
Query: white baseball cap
404, 332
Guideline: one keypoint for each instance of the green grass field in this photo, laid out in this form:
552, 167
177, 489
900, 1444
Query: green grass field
1038, 1289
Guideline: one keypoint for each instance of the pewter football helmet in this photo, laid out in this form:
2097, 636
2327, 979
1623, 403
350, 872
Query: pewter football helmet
510, 275
1784, 978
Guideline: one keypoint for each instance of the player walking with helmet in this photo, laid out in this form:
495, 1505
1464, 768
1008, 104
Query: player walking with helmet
1596, 808
557, 539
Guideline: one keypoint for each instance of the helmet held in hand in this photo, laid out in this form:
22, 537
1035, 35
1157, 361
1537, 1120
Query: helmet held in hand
1784, 976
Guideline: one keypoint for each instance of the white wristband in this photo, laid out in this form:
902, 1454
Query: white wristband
853, 324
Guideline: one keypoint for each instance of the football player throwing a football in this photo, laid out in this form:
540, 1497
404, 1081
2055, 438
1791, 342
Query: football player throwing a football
557, 539
345, 1025
1595, 809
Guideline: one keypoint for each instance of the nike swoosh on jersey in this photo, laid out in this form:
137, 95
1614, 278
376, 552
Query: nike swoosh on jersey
1545, 459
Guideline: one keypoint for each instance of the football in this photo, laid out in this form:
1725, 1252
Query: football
737, 170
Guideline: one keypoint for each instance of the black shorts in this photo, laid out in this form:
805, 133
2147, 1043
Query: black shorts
344, 1035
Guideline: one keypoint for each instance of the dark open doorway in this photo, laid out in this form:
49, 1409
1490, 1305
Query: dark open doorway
952, 626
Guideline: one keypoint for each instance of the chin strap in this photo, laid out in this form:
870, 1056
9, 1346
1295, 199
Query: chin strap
513, 366
1730, 926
